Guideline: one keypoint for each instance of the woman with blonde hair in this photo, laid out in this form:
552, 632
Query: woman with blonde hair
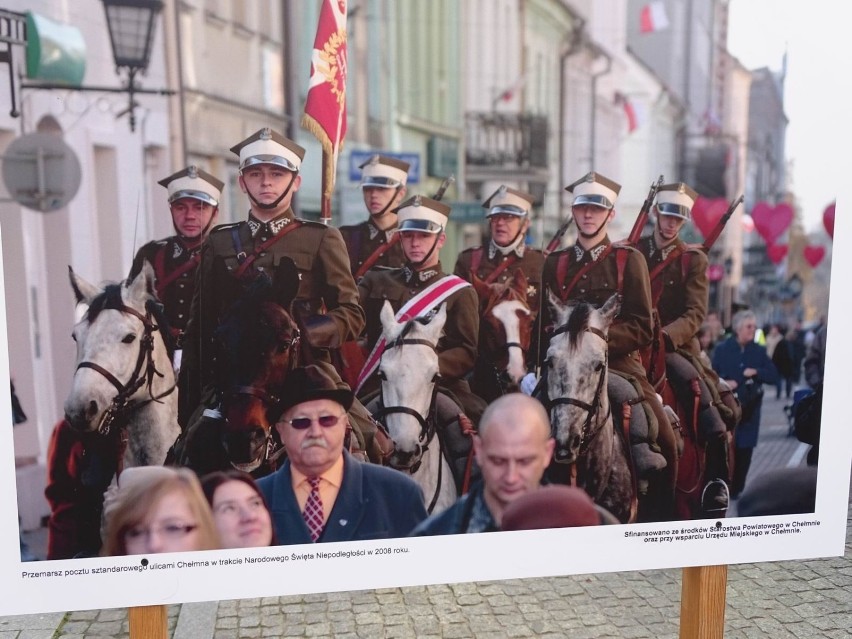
158, 509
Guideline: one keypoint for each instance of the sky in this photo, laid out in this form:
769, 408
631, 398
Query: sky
817, 38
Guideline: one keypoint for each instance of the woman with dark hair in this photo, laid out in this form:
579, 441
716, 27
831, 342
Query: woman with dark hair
239, 509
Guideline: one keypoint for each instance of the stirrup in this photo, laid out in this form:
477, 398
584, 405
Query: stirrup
715, 498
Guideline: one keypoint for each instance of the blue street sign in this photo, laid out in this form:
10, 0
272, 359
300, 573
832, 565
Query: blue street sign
357, 158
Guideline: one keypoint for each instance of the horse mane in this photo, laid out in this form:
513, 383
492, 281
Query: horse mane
578, 321
109, 299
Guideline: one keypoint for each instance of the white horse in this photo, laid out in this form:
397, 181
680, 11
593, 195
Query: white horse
579, 406
124, 381
409, 371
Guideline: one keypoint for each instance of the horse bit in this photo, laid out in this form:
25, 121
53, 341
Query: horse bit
121, 403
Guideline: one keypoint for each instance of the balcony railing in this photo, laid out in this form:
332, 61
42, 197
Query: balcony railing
506, 140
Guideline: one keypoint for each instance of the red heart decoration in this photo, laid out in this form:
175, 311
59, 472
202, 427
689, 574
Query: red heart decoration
814, 254
776, 252
706, 213
771, 222
828, 219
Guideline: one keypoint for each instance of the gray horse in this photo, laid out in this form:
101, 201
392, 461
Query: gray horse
580, 412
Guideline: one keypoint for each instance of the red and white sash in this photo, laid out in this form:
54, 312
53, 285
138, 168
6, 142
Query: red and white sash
417, 306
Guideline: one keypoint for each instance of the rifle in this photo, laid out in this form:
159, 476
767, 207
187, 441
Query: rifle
714, 234
443, 188
636, 231
554, 243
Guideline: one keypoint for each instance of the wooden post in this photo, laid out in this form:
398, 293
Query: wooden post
702, 602
148, 622
325, 202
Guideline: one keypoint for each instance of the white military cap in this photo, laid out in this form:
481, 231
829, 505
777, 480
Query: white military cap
676, 199
594, 188
422, 214
383, 172
195, 183
509, 201
269, 147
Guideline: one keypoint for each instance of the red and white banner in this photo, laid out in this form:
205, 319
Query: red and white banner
325, 107
653, 17
633, 111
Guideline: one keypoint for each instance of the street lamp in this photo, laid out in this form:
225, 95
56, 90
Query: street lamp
131, 25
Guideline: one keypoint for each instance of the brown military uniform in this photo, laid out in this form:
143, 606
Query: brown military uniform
326, 305
166, 257
364, 239
683, 292
530, 262
456, 349
631, 330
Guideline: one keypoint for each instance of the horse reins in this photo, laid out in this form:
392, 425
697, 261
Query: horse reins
591, 409
121, 403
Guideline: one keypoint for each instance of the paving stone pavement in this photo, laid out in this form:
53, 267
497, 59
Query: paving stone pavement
792, 599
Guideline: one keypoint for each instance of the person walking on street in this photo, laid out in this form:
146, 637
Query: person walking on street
745, 367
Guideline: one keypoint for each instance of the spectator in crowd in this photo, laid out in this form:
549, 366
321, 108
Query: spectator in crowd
239, 509
322, 493
555, 507
157, 509
745, 367
782, 357
513, 448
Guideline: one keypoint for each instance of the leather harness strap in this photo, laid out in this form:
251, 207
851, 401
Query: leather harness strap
248, 260
163, 279
476, 260
375, 255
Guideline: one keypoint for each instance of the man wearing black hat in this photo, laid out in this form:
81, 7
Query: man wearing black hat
326, 305
321, 493
194, 203
679, 290
374, 242
592, 271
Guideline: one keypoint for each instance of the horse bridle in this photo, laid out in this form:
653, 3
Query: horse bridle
121, 403
587, 434
265, 397
427, 425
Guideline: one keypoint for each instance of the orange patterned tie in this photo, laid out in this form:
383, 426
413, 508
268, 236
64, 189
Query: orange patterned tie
313, 510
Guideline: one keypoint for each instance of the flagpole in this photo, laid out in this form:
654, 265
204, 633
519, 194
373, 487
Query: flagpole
325, 204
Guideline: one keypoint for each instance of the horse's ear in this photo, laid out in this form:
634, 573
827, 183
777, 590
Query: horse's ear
482, 289
386, 315
436, 325
84, 292
143, 284
611, 308
559, 309
285, 284
520, 283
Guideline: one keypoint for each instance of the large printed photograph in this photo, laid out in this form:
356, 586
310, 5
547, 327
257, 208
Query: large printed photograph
247, 359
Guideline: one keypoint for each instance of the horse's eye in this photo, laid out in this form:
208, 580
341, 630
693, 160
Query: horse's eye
128, 339
74, 337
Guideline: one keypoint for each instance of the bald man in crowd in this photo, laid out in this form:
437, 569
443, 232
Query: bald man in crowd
513, 448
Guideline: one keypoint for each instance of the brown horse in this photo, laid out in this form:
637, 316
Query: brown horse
257, 344
505, 331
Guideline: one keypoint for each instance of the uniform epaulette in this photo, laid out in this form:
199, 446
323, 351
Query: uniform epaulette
302, 220
224, 227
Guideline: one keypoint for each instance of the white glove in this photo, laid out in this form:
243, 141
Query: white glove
528, 383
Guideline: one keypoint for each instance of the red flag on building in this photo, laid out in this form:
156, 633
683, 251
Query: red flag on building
653, 17
325, 107
632, 110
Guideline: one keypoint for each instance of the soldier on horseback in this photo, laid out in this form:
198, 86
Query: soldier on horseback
194, 203
374, 242
591, 271
417, 290
679, 290
508, 215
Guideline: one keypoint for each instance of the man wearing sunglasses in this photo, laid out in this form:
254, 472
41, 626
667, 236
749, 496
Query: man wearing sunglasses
321, 493
326, 305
